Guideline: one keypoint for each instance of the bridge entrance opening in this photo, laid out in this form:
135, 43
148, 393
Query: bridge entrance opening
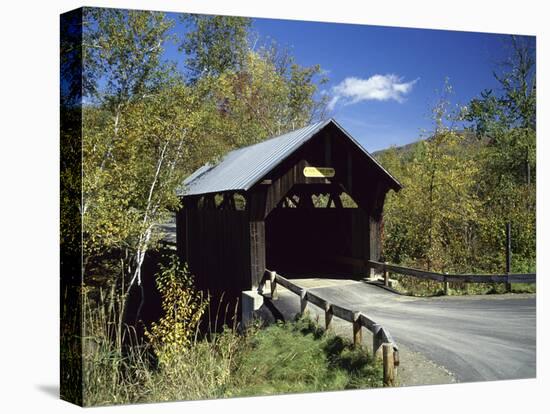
311, 228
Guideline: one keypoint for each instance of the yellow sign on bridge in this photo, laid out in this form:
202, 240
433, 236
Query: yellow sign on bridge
319, 172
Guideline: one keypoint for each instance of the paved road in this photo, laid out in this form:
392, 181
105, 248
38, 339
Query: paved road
476, 338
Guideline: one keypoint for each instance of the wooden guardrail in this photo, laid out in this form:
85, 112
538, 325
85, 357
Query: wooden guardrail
445, 278
383, 345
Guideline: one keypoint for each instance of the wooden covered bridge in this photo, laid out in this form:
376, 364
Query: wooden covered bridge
293, 203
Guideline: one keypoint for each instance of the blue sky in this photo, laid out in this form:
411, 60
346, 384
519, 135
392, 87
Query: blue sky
384, 79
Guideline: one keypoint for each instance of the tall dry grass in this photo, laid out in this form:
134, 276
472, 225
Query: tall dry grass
121, 368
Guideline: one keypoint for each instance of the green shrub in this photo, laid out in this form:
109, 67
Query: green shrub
183, 308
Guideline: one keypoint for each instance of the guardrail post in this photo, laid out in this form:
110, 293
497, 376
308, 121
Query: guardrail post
261, 286
386, 275
388, 363
251, 301
508, 255
328, 316
446, 284
303, 301
508, 285
273, 285
357, 333
376, 341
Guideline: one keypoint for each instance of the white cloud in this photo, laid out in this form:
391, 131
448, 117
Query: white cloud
332, 102
378, 87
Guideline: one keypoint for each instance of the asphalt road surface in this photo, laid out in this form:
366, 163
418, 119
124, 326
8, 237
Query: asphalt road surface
476, 338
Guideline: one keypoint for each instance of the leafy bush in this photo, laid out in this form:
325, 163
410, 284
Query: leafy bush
183, 308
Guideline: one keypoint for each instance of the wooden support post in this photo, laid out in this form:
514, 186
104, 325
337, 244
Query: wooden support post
388, 363
357, 332
386, 275
261, 285
273, 284
508, 254
303, 302
337, 200
446, 284
508, 286
376, 341
328, 316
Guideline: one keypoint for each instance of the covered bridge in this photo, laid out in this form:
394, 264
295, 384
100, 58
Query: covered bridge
283, 204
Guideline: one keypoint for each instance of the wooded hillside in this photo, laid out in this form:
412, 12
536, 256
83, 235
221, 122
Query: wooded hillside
462, 187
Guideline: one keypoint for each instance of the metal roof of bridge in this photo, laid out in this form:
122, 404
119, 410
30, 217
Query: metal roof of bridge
242, 168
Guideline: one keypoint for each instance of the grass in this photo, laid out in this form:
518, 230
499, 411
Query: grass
300, 357
281, 358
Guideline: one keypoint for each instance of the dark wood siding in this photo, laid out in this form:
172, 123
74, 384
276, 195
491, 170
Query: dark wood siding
218, 249
257, 253
361, 242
